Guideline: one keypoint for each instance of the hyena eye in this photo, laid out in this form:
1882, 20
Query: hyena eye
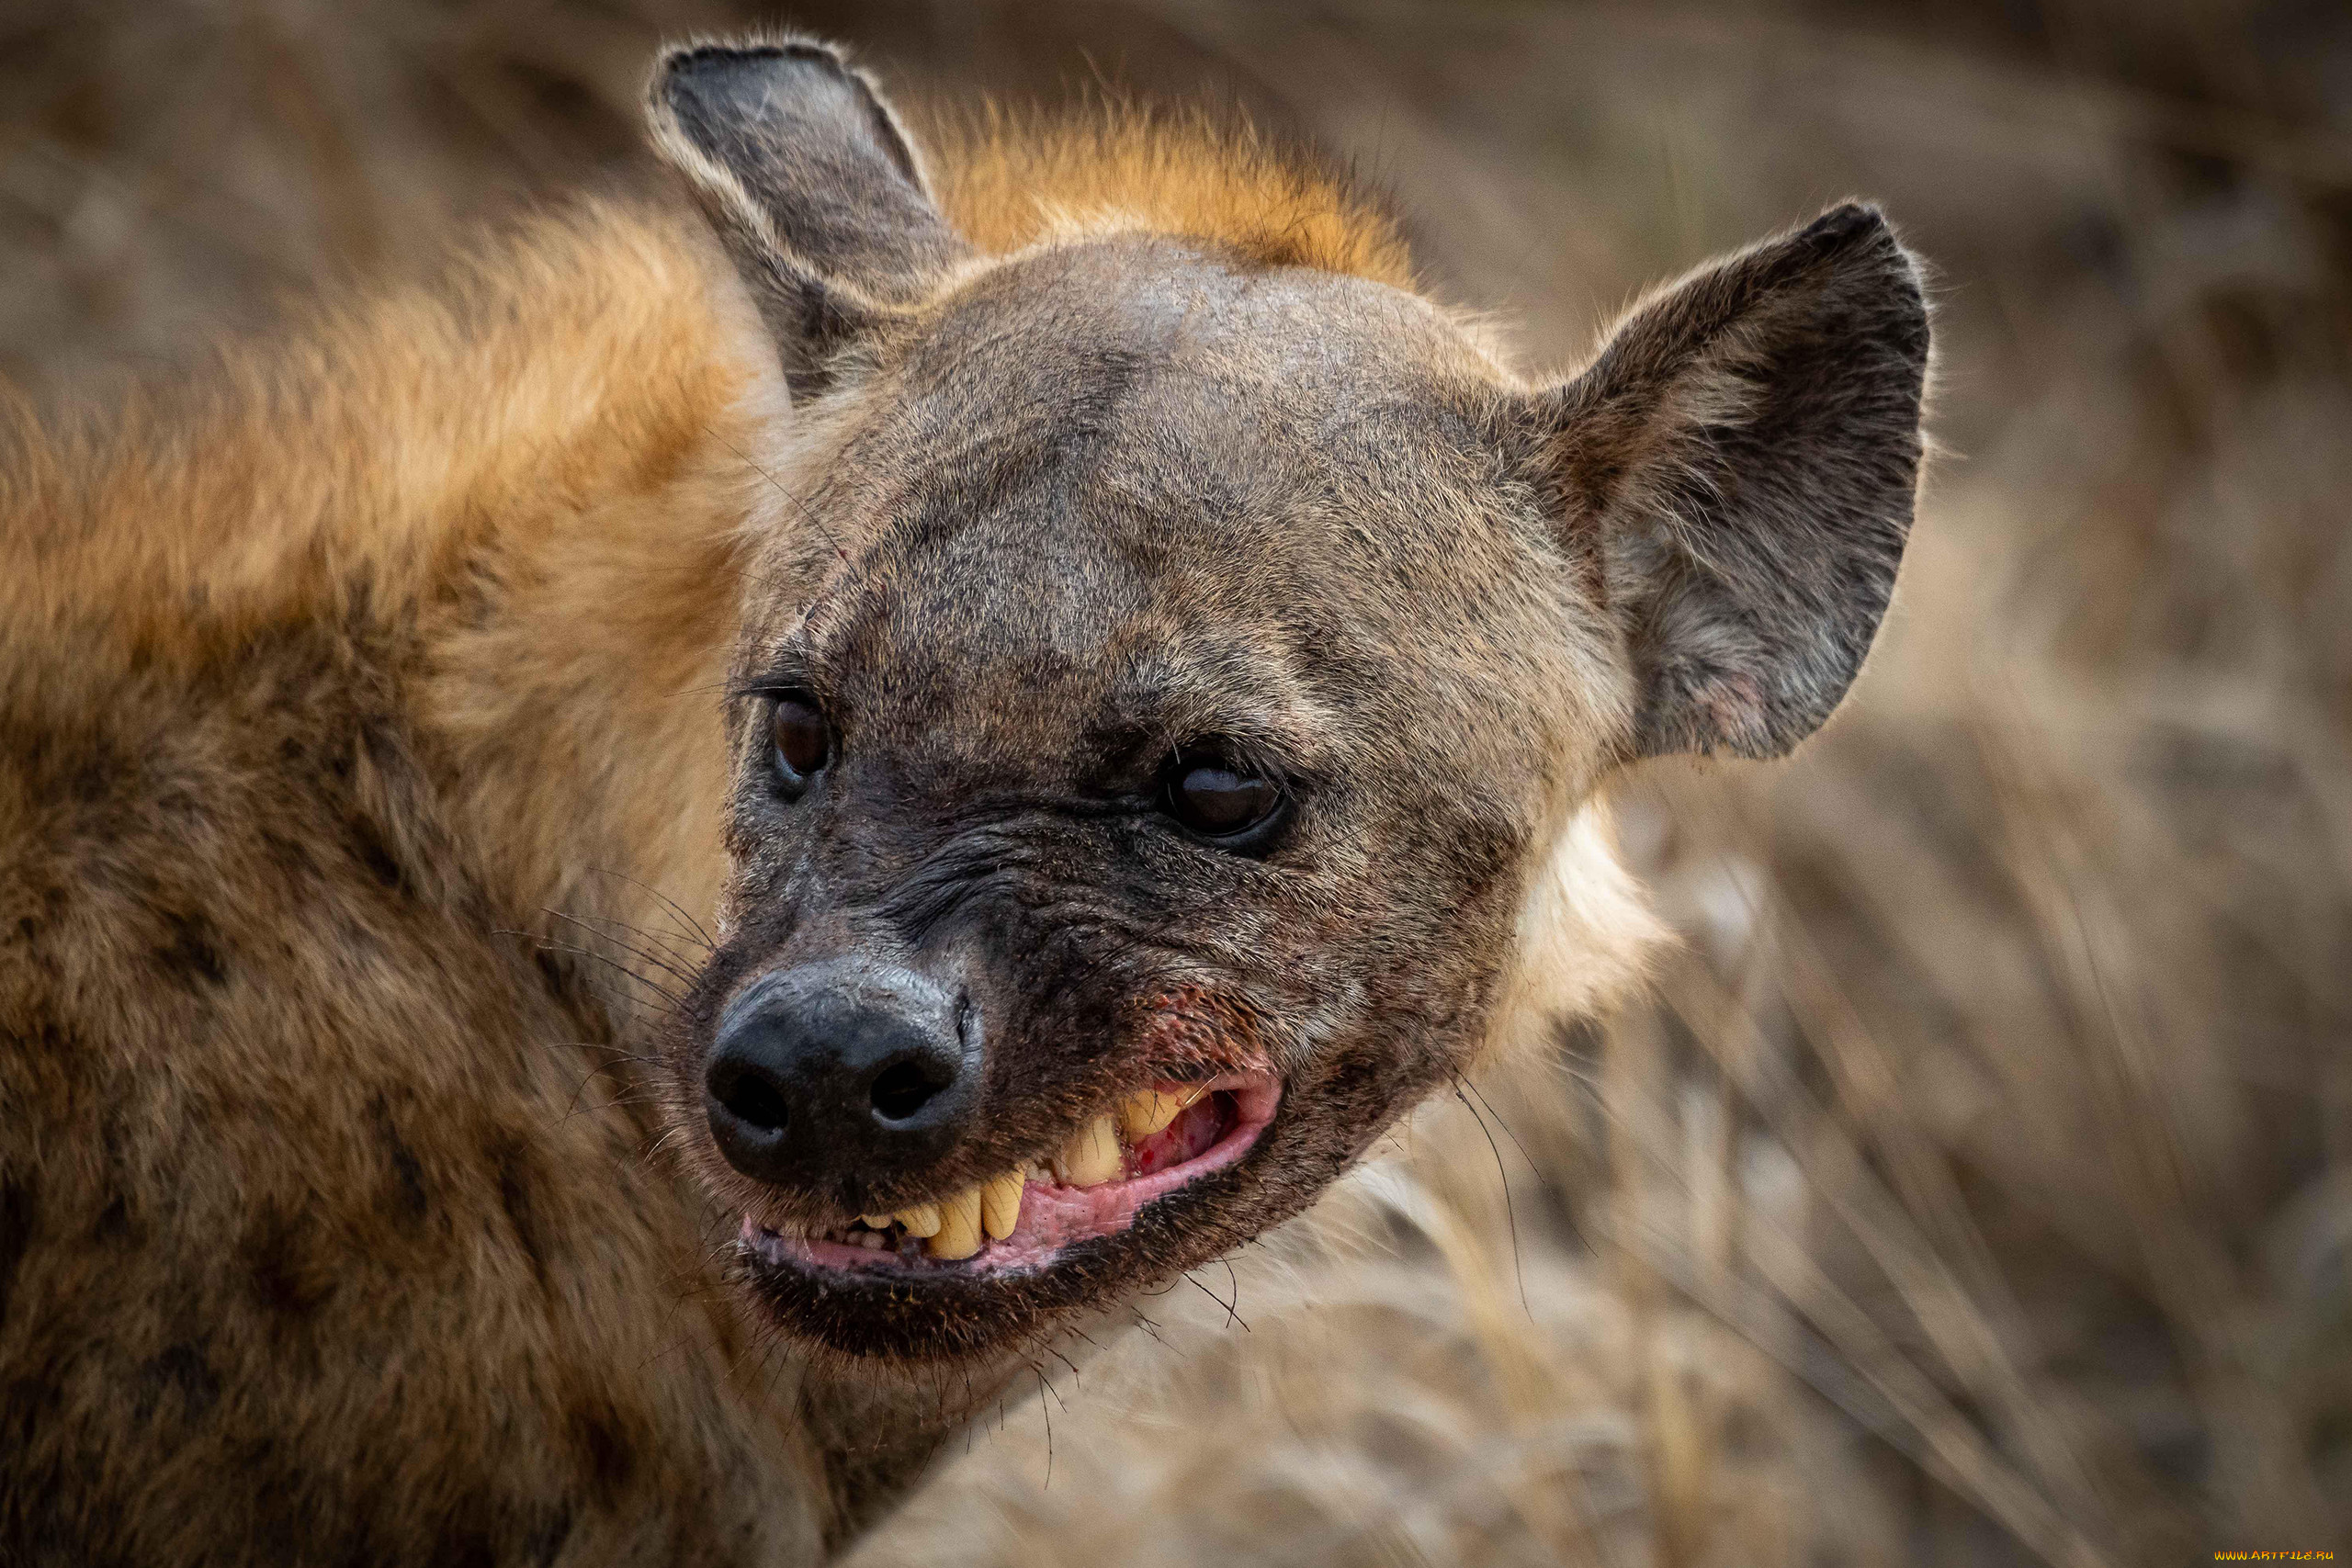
1217, 798
803, 744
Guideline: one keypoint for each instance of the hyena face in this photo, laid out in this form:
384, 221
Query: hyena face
1162, 682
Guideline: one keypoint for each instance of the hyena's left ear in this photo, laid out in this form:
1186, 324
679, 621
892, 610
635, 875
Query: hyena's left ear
1737, 467
807, 176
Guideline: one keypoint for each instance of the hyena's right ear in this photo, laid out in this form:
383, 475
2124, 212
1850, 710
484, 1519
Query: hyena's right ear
1737, 468
809, 179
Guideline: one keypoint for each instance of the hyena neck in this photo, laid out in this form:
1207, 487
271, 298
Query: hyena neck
570, 695
578, 577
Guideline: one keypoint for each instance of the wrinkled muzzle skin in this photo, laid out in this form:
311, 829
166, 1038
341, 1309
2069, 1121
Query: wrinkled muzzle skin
1044, 534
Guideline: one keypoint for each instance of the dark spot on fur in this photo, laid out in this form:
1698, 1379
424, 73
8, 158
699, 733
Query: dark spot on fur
30, 930
95, 773
1354, 1072
90, 783
28, 1405
380, 741
178, 801
17, 1211
181, 1369
288, 1277
368, 847
290, 854
411, 1176
114, 1222
114, 1143
545, 1542
514, 1196
464, 1543
190, 956
407, 1197
610, 1456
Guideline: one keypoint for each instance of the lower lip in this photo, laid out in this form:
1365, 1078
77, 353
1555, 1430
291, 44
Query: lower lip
1052, 1216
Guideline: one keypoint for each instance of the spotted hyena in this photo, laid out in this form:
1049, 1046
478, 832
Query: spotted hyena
624, 880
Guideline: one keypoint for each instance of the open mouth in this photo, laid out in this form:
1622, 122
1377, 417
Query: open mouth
1156, 1142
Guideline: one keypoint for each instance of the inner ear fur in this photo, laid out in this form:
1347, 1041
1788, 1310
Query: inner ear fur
808, 178
1737, 469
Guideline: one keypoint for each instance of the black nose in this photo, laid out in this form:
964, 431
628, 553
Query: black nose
837, 1071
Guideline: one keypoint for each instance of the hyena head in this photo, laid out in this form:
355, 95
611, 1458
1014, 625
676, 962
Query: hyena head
1167, 684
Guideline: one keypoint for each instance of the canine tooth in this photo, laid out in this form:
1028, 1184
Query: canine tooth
1000, 1204
1149, 1111
920, 1220
959, 1225
1090, 1158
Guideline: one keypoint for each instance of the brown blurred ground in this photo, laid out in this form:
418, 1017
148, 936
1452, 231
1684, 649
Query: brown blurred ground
1977, 1187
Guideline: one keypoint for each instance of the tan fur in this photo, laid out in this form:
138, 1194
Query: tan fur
1008, 178
564, 425
1584, 932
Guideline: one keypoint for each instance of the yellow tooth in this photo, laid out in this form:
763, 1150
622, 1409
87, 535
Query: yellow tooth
876, 1222
1145, 1113
959, 1225
924, 1219
1092, 1157
1000, 1204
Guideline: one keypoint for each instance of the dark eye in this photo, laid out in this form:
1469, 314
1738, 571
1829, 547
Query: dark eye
1219, 799
803, 744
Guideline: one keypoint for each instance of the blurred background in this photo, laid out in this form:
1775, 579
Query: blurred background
1975, 1185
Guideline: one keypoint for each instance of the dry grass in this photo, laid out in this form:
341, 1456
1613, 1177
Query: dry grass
1977, 1185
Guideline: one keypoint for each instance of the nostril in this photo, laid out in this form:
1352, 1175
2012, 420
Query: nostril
748, 1096
903, 1088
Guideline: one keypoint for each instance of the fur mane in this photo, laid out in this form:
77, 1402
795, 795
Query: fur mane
1008, 178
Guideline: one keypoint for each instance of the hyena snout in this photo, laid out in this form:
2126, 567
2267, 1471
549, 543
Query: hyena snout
835, 1073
